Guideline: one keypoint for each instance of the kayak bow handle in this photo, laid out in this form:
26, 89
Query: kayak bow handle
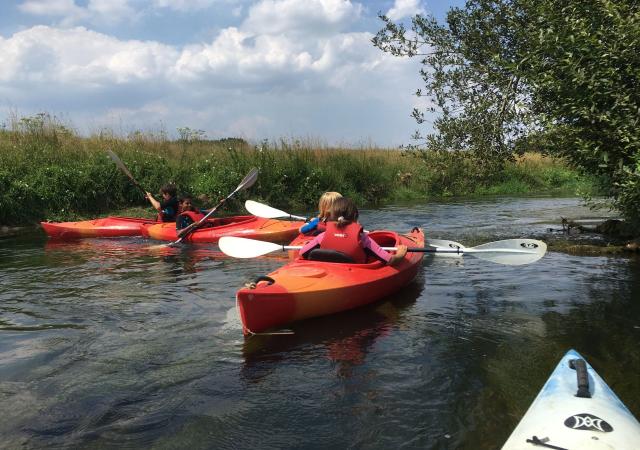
582, 377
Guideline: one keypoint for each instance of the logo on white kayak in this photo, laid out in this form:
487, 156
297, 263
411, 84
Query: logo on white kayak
586, 421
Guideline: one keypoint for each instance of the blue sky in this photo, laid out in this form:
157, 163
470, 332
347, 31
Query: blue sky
257, 69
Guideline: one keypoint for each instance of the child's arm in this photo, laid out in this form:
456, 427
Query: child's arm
309, 226
155, 203
379, 252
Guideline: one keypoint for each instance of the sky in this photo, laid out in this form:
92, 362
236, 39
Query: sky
254, 69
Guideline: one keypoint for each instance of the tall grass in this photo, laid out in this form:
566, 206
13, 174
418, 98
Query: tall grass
48, 171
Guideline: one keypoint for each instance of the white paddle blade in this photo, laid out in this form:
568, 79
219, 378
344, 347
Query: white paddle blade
246, 248
267, 212
441, 244
513, 252
248, 181
260, 210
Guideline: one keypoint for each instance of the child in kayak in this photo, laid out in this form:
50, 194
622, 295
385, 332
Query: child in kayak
317, 224
345, 235
188, 213
168, 207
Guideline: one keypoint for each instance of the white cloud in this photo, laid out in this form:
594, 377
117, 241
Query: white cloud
65, 9
49, 7
80, 57
310, 17
184, 5
69, 13
111, 11
405, 8
258, 79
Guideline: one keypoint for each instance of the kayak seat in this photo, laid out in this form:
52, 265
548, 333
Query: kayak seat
326, 255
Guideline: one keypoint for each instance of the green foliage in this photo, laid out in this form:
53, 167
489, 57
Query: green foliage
510, 76
584, 65
71, 177
470, 74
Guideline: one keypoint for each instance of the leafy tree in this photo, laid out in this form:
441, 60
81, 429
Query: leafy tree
561, 75
470, 72
584, 68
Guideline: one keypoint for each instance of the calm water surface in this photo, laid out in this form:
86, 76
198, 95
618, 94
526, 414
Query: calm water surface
106, 344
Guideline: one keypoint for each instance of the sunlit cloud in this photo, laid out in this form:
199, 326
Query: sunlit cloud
274, 72
405, 8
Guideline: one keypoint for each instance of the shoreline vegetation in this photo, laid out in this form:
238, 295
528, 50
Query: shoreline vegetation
50, 172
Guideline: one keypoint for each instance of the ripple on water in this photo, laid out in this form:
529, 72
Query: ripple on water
106, 343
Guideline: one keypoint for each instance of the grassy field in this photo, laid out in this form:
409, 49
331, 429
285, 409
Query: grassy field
49, 172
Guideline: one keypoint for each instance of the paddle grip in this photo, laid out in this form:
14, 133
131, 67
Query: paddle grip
580, 366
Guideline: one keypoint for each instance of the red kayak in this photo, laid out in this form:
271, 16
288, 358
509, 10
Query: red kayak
105, 227
212, 230
303, 288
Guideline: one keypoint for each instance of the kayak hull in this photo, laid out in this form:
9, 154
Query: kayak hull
303, 289
104, 227
559, 418
250, 227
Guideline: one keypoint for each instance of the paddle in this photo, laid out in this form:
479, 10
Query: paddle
512, 252
267, 212
124, 170
246, 183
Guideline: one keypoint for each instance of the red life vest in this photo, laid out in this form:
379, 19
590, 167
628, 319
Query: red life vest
193, 215
321, 227
345, 240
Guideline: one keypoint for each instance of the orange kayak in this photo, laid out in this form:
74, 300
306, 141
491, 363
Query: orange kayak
252, 227
105, 227
303, 289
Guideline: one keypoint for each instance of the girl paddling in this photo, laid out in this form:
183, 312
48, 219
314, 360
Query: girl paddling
345, 235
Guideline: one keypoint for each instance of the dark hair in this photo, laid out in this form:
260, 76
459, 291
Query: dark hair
344, 211
169, 189
183, 199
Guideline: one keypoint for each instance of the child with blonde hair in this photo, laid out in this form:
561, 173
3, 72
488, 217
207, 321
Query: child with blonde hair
317, 224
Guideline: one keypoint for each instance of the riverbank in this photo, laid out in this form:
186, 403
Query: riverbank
592, 247
52, 173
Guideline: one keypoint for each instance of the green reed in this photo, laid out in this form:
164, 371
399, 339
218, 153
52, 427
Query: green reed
49, 172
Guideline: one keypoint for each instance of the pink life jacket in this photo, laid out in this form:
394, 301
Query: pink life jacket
345, 240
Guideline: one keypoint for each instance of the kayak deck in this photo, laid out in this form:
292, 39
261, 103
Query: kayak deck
212, 230
103, 227
576, 410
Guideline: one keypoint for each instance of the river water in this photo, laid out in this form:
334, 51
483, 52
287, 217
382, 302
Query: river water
106, 344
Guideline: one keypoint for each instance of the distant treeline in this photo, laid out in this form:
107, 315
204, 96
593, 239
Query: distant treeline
49, 172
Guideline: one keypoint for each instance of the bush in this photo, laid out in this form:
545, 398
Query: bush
48, 172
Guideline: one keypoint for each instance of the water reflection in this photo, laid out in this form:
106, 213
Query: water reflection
345, 338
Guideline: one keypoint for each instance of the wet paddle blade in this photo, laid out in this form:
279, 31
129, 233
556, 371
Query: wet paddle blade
512, 252
124, 169
247, 181
267, 212
119, 163
246, 248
